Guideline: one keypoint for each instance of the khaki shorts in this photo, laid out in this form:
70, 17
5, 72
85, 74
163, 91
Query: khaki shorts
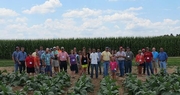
155, 64
55, 63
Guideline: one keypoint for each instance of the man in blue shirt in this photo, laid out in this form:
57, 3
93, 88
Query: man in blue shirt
14, 58
155, 60
162, 59
21, 57
40, 52
46, 61
99, 60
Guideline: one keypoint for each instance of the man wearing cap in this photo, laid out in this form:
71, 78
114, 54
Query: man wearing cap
128, 62
46, 61
162, 59
148, 60
55, 60
14, 56
105, 58
21, 57
155, 60
63, 58
121, 55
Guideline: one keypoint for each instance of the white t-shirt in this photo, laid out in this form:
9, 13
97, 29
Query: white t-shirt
94, 58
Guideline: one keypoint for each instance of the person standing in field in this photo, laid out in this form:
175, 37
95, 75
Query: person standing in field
148, 61
40, 52
46, 60
73, 63
30, 64
121, 55
99, 61
105, 58
162, 59
84, 62
89, 63
139, 62
155, 60
21, 57
94, 63
128, 62
37, 63
113, 67
63, 58
144, 64
14, 58
78, 62
55, 60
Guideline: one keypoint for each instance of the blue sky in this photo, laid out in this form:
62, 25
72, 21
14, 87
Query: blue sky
43, 19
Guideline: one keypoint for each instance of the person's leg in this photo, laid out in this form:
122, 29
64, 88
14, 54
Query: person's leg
23, 66
144, 68
16, 67
89, 65
164, 66
65, 66
99, 66
150, 66
126, 66
122, 66
20, 68
147, 67
119, 65
104, 67
156, 66
61, 66
77, 70
96, 70
92, 67
130, 66
107, 68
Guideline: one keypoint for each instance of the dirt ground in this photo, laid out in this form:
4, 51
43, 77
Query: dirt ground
96, 82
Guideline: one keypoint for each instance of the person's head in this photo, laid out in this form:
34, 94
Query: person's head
143, 50
115, 51
71, 51
128, 49
79, 53
84, 49
22, 49
41, 47
84, 53
54, 48
57, 47
112, 51
93, 50
30, 54
47, 50
98, 50
36, 50
89, 50
62, 48
139, 51
113, 59
147, 49
74, 49
107, 49
120, 48
153, 49
17, 48
161, 49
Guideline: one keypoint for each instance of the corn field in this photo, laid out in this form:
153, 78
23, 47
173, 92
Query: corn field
170, 44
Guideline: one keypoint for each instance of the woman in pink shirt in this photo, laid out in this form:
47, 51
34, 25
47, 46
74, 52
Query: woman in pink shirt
113, 67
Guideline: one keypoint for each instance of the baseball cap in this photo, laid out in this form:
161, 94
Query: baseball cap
62, 47
54, 47
17, 47
127, 47
107, 47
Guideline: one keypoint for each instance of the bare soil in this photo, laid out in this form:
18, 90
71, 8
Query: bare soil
96, 82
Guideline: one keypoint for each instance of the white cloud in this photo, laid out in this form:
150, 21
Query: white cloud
7, 12
134, 9
21, 19
47, 7
84, 12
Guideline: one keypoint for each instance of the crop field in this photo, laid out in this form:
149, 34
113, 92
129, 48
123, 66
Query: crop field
63, 84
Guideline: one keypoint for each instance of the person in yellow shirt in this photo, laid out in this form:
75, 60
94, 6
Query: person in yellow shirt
105, 58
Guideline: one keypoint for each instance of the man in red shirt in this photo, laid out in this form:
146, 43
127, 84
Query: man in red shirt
148, 61
30, 64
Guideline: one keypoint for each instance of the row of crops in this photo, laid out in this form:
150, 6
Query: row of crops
58, 85
160, 84
170, 44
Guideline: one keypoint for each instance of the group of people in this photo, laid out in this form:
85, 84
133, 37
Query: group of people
42, 61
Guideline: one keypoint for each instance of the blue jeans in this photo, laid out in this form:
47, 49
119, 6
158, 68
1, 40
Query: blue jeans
96, 70
16, 64
48, 69
121, 67
163, 65
106, 66
128, 66
99, 66
149, 66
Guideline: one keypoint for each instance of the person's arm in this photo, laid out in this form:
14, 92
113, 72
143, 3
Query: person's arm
80, 59
18, 58
13, 57
124, 55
